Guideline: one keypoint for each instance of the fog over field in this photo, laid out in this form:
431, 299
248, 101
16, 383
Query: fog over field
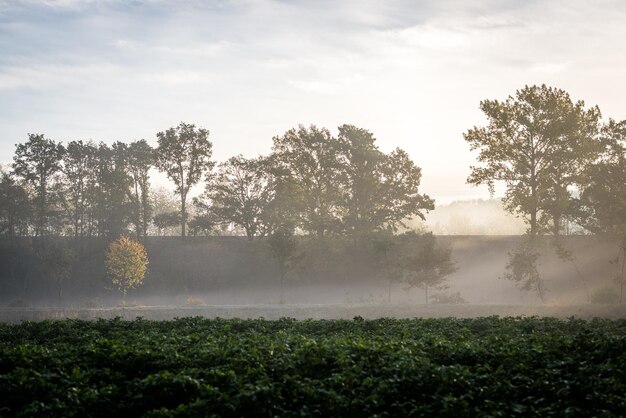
279, 153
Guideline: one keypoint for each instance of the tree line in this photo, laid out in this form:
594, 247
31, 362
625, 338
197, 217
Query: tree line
311, 182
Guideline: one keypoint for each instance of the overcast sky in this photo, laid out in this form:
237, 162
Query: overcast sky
412, 72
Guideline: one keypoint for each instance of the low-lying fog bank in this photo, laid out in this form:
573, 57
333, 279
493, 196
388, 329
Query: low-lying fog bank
233, 271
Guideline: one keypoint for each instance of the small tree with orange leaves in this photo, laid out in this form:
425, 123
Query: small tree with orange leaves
126, 262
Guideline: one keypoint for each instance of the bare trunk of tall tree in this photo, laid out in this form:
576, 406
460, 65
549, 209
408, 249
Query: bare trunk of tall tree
621, 290
282, 285
533, 223
557, 225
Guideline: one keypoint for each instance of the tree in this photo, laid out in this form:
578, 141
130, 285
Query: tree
602, 201
166, 220
37, 161
56, 261
113, 208
399, 197
79, 166
241, 193
536, 143
425, 263
306, 166
126, 263
385, 247
14, 207
378, 191
141, 158
522, 269
283, 246
184, 154
15, 211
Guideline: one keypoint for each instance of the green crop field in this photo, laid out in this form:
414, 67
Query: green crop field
385, 367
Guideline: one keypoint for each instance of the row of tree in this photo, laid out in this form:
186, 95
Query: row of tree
312, 182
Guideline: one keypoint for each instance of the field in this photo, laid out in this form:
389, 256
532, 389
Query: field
385, 367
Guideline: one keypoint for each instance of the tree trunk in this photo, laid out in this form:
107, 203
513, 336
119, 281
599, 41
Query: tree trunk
540, 291
183, 215
557, 225
533, 223
621, 290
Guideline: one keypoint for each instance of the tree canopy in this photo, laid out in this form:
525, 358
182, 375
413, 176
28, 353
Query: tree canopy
537, 143
184, 154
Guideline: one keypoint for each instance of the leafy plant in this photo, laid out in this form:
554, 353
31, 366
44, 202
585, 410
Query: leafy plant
126, 263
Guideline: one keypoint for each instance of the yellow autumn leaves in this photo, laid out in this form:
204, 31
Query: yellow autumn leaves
126, 262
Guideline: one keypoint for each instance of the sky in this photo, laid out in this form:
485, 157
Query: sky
412, 72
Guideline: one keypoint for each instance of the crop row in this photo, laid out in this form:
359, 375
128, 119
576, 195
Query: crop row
384, 368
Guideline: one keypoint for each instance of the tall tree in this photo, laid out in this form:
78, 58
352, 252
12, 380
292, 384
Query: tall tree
184, 154
241, 192
379, 191
307, 167
79, 163
602, 202
536, 143
361, 161
14, 207
112, 205
37, 161
141, 159
425, 263
399, 196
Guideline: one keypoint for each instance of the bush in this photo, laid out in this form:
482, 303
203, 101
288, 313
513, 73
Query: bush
452, 299
19, 303
126, 262
605, 296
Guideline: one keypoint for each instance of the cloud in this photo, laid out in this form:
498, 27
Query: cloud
412, 72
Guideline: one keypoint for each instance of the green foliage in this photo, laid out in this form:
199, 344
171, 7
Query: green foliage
126, 263
307, 168
602, 202
241, 193
378, 191
36, 162
140, 159
537, 143
517, 367
166, 220
14, 207
79, 163
184, 154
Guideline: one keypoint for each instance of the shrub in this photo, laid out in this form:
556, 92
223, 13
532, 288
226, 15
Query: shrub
126, 262
605, 296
